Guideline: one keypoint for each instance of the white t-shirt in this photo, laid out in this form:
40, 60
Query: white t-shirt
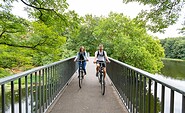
101, 57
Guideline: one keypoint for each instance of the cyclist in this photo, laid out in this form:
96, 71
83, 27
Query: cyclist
82, 55
101, 56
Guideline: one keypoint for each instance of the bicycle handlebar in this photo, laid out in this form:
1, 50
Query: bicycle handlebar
80, 60
101, 62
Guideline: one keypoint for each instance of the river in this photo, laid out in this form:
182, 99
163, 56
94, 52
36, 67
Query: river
173, 73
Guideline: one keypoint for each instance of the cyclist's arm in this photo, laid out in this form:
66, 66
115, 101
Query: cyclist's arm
86, 58
77, 56
95, 58
106, 57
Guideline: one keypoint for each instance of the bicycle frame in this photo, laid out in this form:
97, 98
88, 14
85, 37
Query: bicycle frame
81, 73
101, 77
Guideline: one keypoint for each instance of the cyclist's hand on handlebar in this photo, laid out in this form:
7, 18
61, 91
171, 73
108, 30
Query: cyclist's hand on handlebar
108, 61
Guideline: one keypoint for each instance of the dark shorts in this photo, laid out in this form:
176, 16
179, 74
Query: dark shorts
102, 63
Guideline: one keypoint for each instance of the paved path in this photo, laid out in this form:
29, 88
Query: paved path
88, 99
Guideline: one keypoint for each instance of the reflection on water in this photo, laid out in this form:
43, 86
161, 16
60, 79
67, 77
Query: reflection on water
177, 96
16, 102
174, 69
173, 73
23, 100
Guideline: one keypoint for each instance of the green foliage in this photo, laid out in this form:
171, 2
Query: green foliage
54, 34
124, 39
3, 72
13, 57
24, 43
86, 35
174, 47
162, 13
132, 44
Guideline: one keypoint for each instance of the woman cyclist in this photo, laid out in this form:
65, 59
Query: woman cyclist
82, 55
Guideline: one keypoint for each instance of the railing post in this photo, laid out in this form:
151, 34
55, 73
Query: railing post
155, 97
132, 91
46, 74
144, 95
162, 98
149, 96
40, 91
12, 96
31, 90
20, 95
43, 90
36, 93
140, 93
3, 97
49, 85
26, 86
183, 103
172, 102
136, 108
127, 82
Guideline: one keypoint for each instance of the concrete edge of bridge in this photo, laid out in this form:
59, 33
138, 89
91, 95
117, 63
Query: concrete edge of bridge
59, 94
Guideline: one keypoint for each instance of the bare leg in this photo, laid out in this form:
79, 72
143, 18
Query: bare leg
104, 71
97, 68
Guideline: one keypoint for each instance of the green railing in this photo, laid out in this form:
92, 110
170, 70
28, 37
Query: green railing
140, 91
34, 91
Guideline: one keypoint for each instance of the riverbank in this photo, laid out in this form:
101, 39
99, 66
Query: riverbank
173, 59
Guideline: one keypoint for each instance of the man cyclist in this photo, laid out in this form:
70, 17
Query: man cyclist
101, 56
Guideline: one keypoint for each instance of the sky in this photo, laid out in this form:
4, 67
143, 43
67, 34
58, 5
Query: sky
103, 8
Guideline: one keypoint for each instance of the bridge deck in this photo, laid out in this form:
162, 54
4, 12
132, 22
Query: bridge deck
88, 99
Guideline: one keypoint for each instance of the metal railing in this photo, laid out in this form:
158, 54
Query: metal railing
142, 92
33, 91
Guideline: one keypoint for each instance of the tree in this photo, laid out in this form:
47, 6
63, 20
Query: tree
86, 35
124, 39
162, 13
131, 43
174, 47
45, 36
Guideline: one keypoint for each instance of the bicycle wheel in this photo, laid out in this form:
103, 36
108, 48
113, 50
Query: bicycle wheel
80, 78
102, 85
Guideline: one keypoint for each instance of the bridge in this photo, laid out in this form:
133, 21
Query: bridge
54, 89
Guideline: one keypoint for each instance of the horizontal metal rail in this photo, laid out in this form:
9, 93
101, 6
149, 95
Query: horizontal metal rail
138, 89
34, 90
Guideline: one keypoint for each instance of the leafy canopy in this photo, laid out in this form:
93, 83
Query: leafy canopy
162, 13
123, 38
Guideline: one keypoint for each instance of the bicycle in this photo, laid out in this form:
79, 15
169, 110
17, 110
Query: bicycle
101, 77
81, 73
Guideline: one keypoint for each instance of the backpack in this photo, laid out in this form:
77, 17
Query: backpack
101, 55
